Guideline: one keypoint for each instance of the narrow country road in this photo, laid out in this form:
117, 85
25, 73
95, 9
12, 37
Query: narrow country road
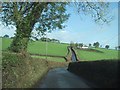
61, 78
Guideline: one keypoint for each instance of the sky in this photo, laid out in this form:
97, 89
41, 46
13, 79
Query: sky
82, 29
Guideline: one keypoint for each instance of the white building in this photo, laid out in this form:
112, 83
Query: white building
85, 47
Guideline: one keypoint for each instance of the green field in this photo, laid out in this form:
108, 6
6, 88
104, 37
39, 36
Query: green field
93, 55
58, 49
50, 58
39, 47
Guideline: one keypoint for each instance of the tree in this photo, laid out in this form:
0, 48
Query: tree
72, 44
76, 45
43, 16
44, 39
99, 11
6, 36
54, 40
107, 46
118, 47
12, 37
26, 16
90, 45
80, 45
100, 46
96, 44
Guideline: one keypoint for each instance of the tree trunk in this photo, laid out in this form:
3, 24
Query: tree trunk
20, 41
19, 44
25, 27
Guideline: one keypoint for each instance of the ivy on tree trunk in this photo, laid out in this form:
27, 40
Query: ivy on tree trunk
20, 41
24, 29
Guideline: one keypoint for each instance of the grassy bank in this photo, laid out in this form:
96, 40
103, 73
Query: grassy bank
97, 54
24, 72
56, 59
39, 47
103, 74
21, 72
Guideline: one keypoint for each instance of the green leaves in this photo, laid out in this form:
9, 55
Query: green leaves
99, 11
48, 16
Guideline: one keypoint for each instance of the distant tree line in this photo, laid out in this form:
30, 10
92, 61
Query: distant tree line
117, 47
77, 45
44, 39
49, 40
80, 45
6, 36
107, 46
96, 45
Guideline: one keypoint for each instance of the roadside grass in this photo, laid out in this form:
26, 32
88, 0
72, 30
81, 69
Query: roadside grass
38, 47
24, 72
56, 59
21, 72
99, 54
101, 73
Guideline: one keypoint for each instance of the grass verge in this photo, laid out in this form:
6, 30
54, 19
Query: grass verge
24, 72
21, 72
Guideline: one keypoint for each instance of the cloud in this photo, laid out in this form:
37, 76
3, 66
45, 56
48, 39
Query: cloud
67, 36
7, 30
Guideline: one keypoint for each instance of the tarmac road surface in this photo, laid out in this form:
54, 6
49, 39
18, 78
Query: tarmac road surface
62, 78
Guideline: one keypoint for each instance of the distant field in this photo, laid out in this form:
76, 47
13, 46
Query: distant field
52, 48
99, 54
50, 58
39, 47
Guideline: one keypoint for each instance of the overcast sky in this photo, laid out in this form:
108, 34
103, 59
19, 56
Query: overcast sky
82, 29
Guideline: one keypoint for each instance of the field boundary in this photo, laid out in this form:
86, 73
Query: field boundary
49, 56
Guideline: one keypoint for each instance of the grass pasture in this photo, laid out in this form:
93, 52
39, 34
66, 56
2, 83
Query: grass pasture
60, 49
39, 47
97, 54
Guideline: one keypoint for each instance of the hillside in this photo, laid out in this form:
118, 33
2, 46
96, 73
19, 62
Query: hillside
97, 54
39, 47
